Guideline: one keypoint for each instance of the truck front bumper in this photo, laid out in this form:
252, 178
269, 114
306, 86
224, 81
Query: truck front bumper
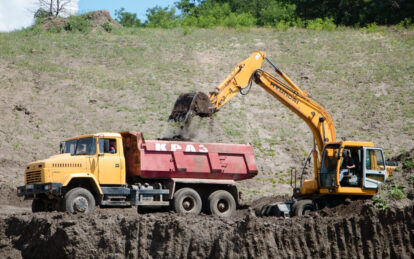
31, 190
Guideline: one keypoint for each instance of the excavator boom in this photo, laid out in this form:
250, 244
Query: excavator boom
240, 80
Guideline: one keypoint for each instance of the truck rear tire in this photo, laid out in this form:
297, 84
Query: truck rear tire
187, 201
221, 203
303, 207
79, 200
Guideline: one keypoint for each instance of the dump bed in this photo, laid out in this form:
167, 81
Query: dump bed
160, 159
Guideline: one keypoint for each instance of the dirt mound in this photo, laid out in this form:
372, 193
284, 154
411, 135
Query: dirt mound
53, 22
372, 233
97, 19
100, 18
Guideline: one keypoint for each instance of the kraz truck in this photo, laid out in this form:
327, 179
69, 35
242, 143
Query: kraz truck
124, 169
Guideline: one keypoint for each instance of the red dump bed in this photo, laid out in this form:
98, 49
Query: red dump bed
175, 159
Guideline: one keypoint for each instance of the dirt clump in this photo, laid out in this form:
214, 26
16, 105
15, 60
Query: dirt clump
97, 20
191, 104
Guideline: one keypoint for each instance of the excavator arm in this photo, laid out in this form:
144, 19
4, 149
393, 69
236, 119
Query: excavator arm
283, 89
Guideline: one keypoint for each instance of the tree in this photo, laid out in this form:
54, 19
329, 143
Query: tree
161, 17
55, 7
127, 19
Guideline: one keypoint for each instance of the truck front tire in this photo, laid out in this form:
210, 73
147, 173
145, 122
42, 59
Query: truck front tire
221, 203
79, 200
187, 201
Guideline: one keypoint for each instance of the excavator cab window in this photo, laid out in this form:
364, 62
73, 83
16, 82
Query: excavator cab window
329, 164
353, 178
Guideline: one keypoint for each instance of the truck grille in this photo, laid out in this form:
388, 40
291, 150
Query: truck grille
33, 177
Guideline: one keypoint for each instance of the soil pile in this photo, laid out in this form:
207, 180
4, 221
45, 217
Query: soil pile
371, 233
97, 19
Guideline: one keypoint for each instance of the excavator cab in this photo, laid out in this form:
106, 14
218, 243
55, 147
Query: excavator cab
367, 172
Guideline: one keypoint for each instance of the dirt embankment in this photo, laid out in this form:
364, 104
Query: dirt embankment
371, 233
354, 229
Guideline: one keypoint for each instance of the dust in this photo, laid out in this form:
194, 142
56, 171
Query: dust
180, 131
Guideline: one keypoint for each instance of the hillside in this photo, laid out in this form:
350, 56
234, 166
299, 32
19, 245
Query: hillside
54, 86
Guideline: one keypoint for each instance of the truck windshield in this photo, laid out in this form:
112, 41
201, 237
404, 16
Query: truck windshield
329, 165
83, 146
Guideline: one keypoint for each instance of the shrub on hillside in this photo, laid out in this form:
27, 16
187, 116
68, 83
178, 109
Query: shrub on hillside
78, 23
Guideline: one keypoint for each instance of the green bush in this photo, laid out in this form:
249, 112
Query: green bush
406, 23
236, 20
127, 19
161, 17
396, 192
319, 24
276, 13
380, 203
78, 23
107, 26
282, 26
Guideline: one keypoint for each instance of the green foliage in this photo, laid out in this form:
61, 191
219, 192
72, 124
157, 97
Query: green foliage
277, 13
396, 192
107, 26
236, 20
407, 162
406, 23
319, 24
127, 19
380, 203
372, 28
78, 23
161, 17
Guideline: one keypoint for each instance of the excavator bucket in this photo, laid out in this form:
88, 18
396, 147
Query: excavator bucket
191, 104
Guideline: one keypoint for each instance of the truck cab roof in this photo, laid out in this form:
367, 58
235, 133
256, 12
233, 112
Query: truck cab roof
100, 134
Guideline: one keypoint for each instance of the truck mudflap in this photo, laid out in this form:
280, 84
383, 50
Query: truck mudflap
279, 209
31, 190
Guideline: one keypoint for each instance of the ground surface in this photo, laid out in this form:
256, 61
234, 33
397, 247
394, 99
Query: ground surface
55, 86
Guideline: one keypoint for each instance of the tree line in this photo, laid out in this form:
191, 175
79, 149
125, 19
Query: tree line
274, 13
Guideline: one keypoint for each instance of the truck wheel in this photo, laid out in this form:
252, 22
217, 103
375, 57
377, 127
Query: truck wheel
79, 200
303, 207
38, 205
187, 201
221, 203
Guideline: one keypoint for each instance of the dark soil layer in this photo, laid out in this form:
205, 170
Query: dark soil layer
369, 233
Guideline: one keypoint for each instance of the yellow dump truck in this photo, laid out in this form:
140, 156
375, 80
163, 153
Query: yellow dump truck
124, 169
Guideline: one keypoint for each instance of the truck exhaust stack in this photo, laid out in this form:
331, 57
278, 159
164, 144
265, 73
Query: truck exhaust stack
191, 104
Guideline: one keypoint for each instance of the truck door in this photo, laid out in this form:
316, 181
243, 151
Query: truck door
109, 161
373, 168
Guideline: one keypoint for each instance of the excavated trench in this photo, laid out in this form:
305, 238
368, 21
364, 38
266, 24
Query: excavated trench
364, 231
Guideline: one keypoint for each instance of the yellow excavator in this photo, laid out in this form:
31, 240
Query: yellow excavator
342, 169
